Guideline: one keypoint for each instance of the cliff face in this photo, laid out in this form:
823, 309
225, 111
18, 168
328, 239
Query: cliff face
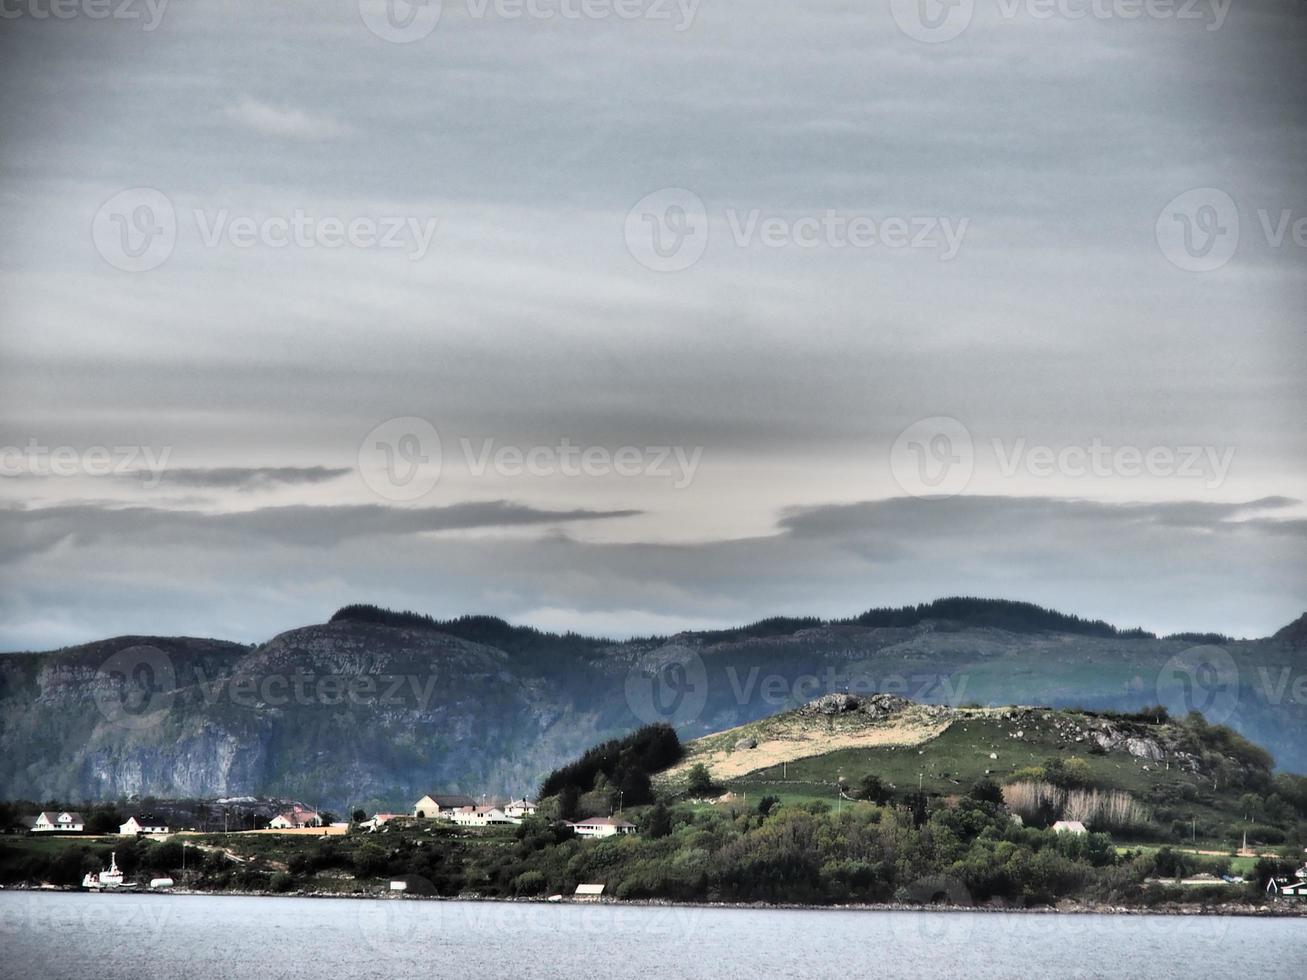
353, 713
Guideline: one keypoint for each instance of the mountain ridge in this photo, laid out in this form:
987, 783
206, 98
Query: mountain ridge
440, 710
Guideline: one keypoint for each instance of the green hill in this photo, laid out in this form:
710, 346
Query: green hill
1169, 780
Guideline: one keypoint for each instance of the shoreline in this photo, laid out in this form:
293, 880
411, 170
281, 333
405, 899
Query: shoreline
1279, 910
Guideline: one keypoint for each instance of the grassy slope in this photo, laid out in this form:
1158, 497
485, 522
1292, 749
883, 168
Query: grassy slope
949, 763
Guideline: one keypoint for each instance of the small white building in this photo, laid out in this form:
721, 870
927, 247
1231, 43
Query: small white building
589, 893
481, 816
601, 827
440, 806
520, 808
295, 818
143, 823
1069, 827
49, 822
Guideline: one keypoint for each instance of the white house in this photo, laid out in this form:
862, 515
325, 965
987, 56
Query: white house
589, 893
440, 805
601, 827
49, 822
481, 816
144, 823
295, 818
1070, 827
520, 808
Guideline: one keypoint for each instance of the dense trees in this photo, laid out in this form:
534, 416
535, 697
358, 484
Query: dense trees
619, 768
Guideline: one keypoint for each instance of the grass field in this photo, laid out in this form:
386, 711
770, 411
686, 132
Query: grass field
981, 745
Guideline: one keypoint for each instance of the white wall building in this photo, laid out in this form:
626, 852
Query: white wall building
146, 823
601, 827
48, 822
520, 808
440, 806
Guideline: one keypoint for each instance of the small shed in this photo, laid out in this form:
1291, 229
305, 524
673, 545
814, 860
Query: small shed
589, 893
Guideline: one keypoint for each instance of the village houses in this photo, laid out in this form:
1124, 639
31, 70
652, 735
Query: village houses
465, 811
440, 805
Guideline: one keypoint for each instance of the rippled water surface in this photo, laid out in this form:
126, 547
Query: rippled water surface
124, 937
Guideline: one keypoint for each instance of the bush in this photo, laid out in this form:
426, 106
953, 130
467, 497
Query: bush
529, 883
281, 882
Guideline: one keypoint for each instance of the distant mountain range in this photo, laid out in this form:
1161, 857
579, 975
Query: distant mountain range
375, 708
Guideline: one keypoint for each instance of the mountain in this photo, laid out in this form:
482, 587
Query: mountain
375, 708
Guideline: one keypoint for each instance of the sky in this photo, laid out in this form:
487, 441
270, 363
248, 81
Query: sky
635, 316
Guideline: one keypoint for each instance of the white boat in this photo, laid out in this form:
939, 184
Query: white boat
111, 877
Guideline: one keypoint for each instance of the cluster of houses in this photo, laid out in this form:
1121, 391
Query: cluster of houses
1295, 887
458, 809
71, 822
464, 811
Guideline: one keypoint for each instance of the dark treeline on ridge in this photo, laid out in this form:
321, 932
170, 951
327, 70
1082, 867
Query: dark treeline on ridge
1005, 614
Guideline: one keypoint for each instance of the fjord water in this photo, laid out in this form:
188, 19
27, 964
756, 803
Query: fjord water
131, 937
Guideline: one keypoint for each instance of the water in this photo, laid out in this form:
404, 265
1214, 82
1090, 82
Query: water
127, 937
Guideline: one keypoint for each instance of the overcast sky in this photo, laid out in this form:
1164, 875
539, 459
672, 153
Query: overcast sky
662, 316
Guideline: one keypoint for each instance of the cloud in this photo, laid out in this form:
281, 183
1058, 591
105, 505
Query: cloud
289, 123
1168, 566
24, 532
244, 478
